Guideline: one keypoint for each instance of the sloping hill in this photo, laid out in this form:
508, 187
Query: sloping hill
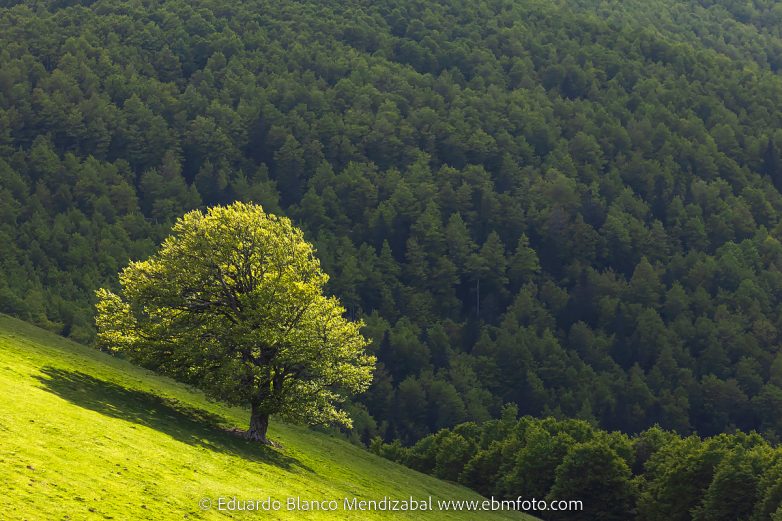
88, 436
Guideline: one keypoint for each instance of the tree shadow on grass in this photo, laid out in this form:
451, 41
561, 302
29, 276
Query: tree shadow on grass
180, 421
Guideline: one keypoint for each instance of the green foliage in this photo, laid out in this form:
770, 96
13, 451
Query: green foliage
655, 475
593, 470
233, 303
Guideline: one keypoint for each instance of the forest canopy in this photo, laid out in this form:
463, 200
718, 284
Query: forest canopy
570, 206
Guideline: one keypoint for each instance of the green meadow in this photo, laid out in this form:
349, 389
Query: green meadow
89, 436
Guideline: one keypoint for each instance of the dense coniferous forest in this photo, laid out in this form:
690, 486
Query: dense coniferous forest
569, 206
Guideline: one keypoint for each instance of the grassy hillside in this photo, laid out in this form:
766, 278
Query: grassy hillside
89, 436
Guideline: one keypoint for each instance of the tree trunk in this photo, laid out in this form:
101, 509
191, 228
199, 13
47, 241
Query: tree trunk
259, 424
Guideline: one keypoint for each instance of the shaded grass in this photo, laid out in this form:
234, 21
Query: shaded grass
84, 435
176, 419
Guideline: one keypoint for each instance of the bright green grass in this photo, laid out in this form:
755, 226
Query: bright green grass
87, 436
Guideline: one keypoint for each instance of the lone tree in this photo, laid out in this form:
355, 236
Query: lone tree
233, 303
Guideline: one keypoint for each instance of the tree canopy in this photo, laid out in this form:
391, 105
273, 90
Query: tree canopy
654, 475
233, 303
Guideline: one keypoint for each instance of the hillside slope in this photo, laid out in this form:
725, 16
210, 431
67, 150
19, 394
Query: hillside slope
89, 436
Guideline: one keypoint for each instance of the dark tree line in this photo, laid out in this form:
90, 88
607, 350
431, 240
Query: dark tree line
569, 206
655, 475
